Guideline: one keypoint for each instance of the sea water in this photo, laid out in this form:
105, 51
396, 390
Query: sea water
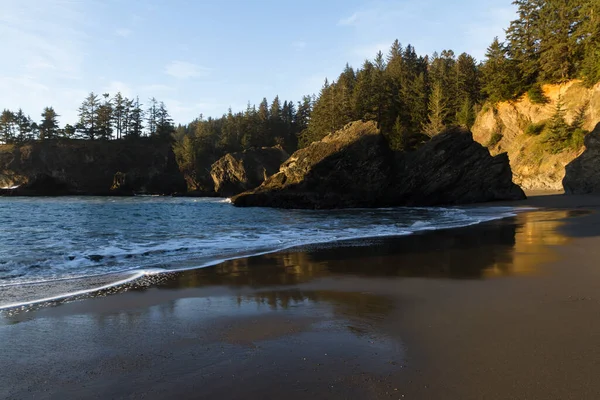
53, 248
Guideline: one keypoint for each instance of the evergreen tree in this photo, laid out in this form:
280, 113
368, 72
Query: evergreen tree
438, 111
559, 44
152, 117
559, 131
8, 126
49, 127
88, 117
589, 36
23, 126
303, 114
276, 123
136, 119
164, 122
69, 131
466, 115
499, 73
524, 35
120, 117
105, 118
468, 86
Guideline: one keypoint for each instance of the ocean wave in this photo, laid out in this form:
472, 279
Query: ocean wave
80, 271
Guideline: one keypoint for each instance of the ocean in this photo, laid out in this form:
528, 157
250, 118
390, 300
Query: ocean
56, 248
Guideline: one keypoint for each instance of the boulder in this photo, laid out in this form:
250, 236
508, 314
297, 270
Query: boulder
583, 173
235, 173
355, 167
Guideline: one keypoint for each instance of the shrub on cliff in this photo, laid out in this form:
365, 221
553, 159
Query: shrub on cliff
537, 96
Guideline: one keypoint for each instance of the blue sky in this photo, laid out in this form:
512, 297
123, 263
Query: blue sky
203, 56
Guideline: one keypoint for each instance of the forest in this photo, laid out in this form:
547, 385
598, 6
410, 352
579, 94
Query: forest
410, 96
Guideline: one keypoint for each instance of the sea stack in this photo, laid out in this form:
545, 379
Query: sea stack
355, 167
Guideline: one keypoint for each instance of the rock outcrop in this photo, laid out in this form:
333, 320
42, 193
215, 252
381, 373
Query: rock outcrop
349, 168
355, 167
235, 173
60, 167
583, 174
502, 128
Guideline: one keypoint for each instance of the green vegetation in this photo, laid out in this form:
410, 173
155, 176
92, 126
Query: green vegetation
534, 129
536, 95
560, 135
495, 139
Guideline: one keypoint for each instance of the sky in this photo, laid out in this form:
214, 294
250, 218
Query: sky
204, 56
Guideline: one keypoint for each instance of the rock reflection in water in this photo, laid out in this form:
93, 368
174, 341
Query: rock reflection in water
515, 246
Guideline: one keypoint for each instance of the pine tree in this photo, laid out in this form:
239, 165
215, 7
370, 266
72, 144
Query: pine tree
120, 119
49, 127
524, 36
164, 122
69, 131
152, 117
105, 118
466, 115
276, 134
559, 44
23, 126
468, 86
499, 74
136, 119
559, 131
589, 36
88, 117
8, 126
438, 111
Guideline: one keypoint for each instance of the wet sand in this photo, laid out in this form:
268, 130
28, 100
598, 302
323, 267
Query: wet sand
503, 310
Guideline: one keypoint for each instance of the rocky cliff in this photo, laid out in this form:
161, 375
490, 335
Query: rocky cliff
238, 172
583, 174
355, 167
55, 167
502, 128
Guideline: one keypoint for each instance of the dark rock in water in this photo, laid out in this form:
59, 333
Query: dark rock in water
116, 167
349, 168
355, 167
451, 169
238, 172
583, 173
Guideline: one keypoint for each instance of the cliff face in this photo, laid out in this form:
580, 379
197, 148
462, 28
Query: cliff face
502, 129
237, 172
583, 173
84, 167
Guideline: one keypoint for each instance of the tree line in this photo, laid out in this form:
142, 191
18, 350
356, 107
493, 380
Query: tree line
551, 41
410, 96
100, 117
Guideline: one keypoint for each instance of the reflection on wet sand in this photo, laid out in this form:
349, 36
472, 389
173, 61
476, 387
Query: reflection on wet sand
503, 248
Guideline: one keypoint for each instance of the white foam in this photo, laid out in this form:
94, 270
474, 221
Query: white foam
235, 244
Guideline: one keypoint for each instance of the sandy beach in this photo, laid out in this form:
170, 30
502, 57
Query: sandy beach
501, 310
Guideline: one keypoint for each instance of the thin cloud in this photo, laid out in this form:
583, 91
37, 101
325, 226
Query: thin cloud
185, 70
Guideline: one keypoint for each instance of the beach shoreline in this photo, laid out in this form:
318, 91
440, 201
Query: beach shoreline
495, 310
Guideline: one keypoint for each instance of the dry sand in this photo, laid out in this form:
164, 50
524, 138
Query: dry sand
503, 310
